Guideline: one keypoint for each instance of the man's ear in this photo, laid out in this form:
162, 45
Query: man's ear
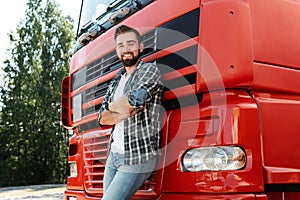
141, 47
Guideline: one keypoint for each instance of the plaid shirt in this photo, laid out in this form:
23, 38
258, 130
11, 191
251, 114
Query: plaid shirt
142, 130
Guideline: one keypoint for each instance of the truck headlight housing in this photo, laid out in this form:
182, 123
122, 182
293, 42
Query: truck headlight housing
213, 159
73, 169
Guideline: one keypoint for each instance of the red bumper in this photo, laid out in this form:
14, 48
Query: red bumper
81, 195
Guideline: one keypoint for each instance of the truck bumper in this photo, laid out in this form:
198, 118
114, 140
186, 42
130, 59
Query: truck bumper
78, 195
81, 195
198, 196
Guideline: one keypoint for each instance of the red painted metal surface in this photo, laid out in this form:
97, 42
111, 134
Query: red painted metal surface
235, 124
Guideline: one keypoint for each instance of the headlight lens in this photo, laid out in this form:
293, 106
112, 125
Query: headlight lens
213, 159
73, 169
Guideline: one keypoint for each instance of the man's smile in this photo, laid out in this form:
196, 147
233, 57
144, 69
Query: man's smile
128, 55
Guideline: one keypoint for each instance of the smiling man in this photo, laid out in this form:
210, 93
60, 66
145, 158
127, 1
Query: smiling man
132, 106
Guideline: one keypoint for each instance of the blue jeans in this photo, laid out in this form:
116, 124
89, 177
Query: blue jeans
122, 181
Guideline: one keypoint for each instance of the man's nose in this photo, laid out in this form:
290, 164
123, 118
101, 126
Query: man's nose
124, 49
127, 48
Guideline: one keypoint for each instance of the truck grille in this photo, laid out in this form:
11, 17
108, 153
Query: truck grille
95, 152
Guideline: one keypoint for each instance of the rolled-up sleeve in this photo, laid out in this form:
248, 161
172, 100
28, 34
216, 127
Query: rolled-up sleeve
148, 80
138, 98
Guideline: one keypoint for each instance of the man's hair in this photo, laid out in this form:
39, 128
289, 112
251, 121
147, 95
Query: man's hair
125, 29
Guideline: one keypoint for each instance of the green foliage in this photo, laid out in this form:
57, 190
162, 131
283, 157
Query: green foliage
33, 144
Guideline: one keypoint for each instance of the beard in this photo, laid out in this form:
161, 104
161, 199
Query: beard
131, 62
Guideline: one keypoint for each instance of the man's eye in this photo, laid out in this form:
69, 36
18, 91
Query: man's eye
131, 43
120, 46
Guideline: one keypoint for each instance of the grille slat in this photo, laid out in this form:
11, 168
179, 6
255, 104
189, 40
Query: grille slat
98, 143
96, 159
89, 167
93, 174
93, 182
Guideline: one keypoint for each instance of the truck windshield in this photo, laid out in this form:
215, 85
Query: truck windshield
91, 9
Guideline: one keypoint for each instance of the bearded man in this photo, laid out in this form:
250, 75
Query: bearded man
132, 106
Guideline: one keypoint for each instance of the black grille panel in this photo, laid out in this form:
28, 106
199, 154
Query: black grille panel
180, 81
178, 60
179, 29
95, 92
102, 66
88, 126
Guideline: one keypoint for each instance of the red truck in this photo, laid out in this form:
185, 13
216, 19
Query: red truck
231, 121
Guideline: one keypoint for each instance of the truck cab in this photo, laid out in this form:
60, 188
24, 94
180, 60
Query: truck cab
231, 100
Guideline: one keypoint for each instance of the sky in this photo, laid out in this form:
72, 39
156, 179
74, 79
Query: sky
13, 12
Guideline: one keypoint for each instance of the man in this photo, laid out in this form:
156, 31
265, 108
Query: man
132, 106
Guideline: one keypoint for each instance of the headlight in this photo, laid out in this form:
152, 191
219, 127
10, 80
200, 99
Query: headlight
73, 169
213, 159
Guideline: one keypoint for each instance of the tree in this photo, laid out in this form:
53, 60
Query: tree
33, 144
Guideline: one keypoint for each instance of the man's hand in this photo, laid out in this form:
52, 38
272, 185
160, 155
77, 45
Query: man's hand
121, 106
118, 111
112, 118
107, 118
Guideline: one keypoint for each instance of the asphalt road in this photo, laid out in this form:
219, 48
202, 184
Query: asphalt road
47, 192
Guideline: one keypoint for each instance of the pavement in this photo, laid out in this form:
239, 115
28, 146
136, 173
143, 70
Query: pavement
47, 192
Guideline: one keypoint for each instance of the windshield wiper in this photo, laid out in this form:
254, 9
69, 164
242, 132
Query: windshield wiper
114, 3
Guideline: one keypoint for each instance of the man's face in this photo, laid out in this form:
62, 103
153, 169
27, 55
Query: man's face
128, 49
